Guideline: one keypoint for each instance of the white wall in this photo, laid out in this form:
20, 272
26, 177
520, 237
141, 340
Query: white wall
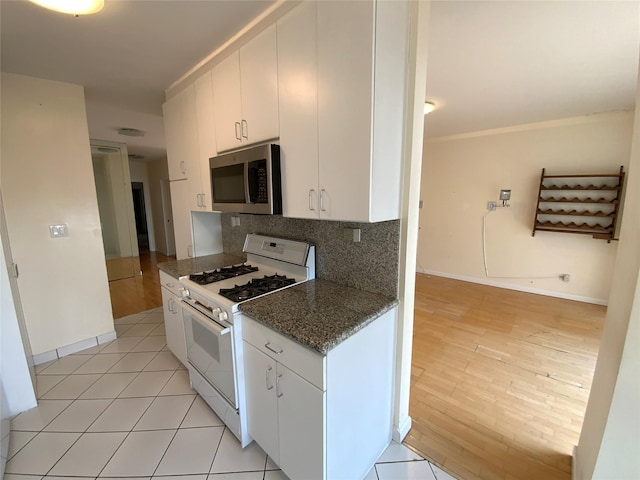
47, 178
139, 173
16, 389
462, 173
610, 438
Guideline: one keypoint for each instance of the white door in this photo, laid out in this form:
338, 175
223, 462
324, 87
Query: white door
345, 62
301, 407
181, 219
298, 100
173, 325
173, 129
259, 81
227, 104
262, 407
206, 135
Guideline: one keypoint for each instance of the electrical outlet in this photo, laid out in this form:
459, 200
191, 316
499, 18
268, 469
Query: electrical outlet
57, 231
491, 206
565, 277
235, 221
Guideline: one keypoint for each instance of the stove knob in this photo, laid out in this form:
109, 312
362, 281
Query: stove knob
215, 312
185, 292
222, 316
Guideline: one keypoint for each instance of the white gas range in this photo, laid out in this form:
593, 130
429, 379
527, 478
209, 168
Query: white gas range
212, 324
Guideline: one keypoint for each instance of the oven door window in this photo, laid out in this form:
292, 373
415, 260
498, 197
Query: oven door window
209, 350
227, 184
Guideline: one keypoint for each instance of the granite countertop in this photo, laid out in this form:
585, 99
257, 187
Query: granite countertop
180, 268
318, 314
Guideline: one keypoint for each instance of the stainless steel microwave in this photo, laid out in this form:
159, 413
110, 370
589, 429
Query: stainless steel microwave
247, 181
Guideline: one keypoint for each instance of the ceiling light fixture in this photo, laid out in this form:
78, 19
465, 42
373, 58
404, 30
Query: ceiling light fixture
73, 7
131, 132
429, 107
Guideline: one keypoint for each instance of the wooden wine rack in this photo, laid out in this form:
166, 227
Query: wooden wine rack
586, 204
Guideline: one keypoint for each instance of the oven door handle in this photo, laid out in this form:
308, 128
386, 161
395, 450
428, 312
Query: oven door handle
208, 322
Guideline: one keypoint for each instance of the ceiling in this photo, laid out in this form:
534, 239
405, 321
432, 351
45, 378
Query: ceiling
495, 64
491, 63
126, 56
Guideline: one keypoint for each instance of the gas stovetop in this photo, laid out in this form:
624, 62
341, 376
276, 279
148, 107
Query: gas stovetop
212, 276
272, 264
256, 286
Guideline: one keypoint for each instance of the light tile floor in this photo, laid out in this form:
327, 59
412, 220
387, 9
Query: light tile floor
125, 409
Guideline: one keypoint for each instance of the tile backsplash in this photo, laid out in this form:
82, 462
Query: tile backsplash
371, 264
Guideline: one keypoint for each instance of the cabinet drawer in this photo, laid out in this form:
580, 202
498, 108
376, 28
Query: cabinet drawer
170, 283
303, 361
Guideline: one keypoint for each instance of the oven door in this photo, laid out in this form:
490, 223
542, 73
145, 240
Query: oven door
210, 351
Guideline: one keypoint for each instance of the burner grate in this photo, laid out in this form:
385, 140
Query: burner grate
257, 286
205, 278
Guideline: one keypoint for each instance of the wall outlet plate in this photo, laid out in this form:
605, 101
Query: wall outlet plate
57, 231
352, 234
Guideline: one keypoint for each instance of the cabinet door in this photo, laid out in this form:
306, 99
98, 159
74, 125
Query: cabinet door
259, 80
206, 135
298, 100
262, 407
345, 62
227, 104
172, 115
180, 192
173, 325
191, 147
301, 408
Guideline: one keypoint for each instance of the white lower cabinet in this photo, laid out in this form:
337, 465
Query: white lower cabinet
173, 322
285, 415
320, 416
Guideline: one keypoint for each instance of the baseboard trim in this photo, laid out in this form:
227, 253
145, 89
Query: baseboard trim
401, 431
60, 352
520, 288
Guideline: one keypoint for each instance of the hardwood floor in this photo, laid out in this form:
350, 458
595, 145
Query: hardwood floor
500, 379
140, 293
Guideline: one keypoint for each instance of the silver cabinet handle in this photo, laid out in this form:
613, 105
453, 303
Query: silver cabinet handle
182, 167
311, 193
202, 199
170, 285
322, 192
189, 251
266, 378
245, 129
170, 305
237, 126
278, 392
269, 347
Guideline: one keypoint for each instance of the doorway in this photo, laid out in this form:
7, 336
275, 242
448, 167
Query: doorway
115, 206
140, 212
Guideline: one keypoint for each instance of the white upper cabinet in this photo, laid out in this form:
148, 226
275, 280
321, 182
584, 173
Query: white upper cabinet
206, 136
298, 98
172, 115
358, 50
245, 89
190, 137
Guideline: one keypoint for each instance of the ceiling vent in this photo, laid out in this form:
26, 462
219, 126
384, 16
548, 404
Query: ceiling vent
131, 132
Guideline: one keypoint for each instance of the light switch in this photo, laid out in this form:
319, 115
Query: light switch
57, 231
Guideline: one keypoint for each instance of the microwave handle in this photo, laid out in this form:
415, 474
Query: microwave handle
247, 198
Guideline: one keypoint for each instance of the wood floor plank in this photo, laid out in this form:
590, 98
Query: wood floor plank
139, 293
500, 379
